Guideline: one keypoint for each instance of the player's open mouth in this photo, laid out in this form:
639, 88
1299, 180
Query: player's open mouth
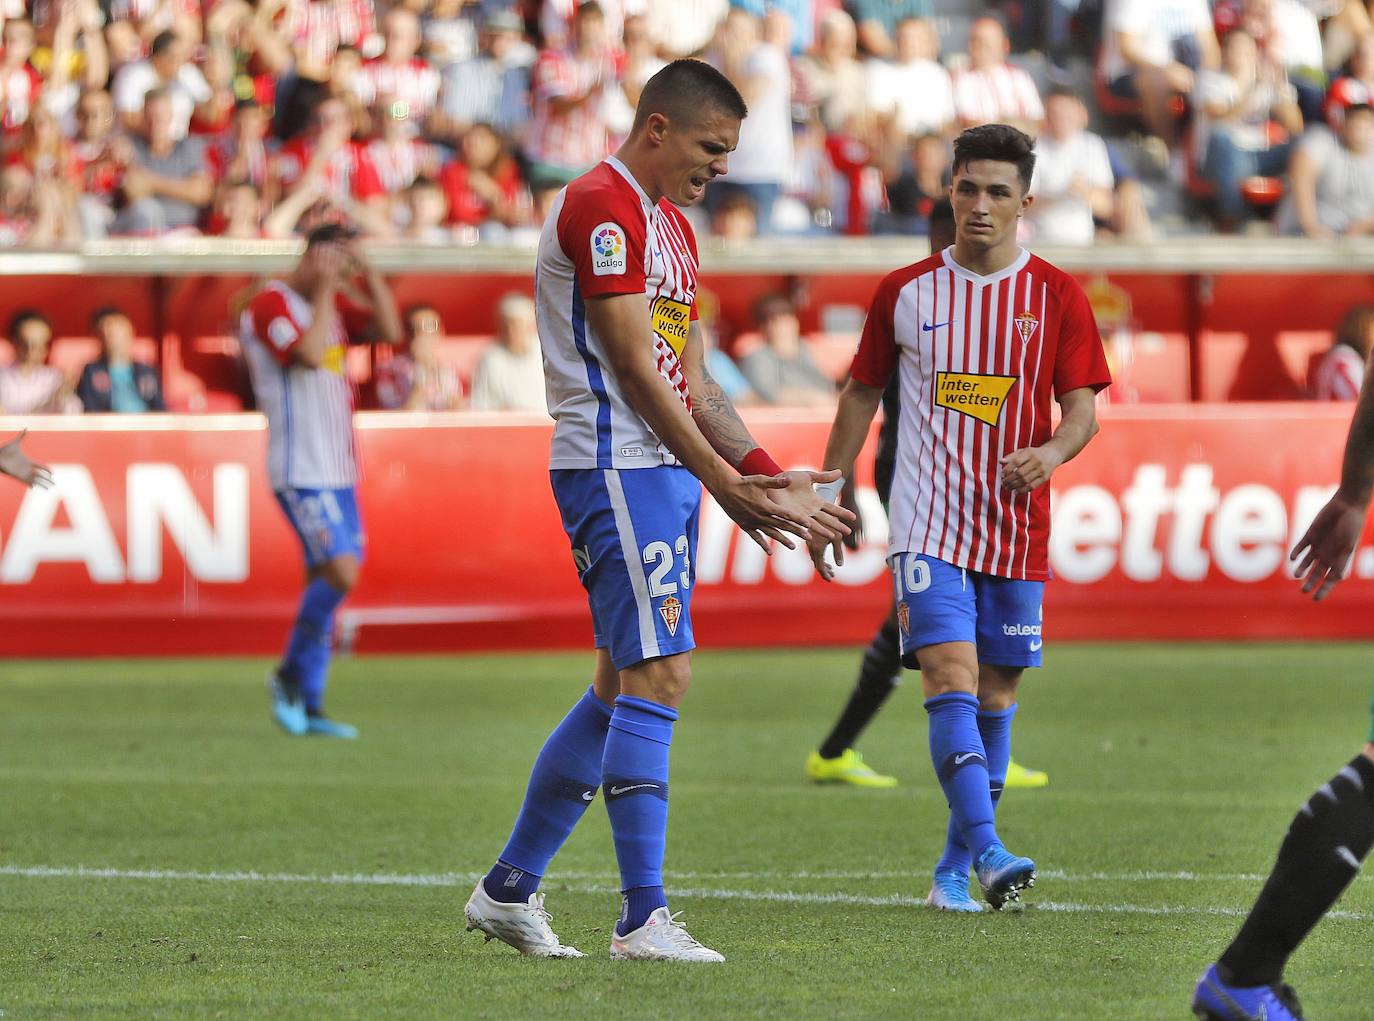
697, 183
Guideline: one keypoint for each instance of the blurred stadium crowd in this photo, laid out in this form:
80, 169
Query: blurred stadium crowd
443, 121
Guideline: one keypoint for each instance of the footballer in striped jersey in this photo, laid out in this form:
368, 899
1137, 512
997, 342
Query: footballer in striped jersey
983, 337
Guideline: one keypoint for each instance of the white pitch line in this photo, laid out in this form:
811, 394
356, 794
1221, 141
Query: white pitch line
706, 893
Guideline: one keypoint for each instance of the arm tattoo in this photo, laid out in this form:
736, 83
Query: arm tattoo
719, 422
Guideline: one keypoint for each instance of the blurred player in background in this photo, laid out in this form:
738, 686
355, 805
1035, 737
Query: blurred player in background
16, 464
641, 427
836, 761
983, 336
295, 335
1333, 832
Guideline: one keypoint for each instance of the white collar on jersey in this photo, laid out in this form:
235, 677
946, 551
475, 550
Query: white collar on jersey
624, 171
1017, 265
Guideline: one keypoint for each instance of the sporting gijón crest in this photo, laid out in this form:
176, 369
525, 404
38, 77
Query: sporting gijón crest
671, 612
1026, 325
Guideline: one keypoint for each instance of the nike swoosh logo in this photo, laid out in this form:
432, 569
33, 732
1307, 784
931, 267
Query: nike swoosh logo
959, 760
617, 791
932, 327
588, 795
1035, 645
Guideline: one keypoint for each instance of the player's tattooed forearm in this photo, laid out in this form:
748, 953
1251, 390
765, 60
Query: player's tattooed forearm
720, 423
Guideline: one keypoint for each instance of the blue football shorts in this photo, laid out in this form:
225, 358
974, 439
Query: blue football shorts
634, 541
938, 602
326, 521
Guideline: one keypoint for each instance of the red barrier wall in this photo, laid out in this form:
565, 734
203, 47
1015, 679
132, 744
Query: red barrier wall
162, 537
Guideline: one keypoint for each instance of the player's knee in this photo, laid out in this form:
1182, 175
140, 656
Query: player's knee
662, 680
997, 687
341, 573
946, 678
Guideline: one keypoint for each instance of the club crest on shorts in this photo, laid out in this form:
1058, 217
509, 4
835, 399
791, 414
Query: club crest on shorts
671, 612
904, 618
1026, 325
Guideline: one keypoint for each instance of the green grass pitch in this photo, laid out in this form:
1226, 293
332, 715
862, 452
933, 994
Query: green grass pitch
232, 872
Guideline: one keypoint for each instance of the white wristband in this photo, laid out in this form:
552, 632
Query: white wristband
830, 491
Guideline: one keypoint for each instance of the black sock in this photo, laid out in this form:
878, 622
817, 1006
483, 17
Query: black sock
877, 677
1328, 839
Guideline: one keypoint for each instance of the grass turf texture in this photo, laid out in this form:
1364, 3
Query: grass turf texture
1185, 759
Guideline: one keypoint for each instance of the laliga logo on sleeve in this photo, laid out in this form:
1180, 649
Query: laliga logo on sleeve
608, 249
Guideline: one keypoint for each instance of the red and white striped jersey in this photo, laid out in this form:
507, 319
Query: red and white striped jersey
1339, 375
319, 27
309, 411
1001, 93
604, 237
348, 173
980, 359
414, 83
578, 137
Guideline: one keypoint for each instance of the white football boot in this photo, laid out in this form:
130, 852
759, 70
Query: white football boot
661, 938
523, 926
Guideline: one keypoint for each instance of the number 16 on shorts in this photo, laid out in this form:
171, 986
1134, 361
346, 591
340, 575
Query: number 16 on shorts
938, 602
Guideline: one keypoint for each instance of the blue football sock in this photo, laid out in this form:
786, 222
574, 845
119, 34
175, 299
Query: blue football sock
509, 884
562, 784
635, 779
961, 764
994, 727
306, 663
637, 905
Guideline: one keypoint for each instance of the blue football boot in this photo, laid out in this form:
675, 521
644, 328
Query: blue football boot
949, 892
1003, 875
1215, 1000
288, 707
322, 726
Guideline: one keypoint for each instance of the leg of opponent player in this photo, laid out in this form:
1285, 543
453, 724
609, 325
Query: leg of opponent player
329, 527
1327, 841
633, 535
836, 761
943, 628
1332, 834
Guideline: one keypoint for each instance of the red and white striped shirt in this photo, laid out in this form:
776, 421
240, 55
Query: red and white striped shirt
398, 164
348, 173
980, 359
575, 138
414, 83
309, 410
604, 237
317, 28
1339, 375
1001, 93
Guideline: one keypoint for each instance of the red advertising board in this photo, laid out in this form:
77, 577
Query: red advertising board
162, 537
